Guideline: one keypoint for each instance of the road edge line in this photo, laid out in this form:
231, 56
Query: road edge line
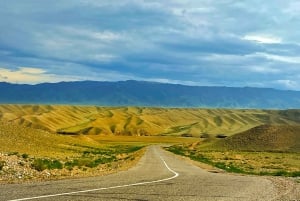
176, 174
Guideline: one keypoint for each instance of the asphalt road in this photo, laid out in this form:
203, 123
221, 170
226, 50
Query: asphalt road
159, 175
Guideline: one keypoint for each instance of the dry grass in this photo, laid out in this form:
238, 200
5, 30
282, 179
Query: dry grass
259, 163
40, 143
32, 130
139, 121
282, 138
141, 140
33, 154
263, 150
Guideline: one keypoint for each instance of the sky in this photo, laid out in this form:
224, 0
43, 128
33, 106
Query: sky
252, 43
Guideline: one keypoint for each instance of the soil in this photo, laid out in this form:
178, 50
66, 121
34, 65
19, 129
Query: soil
16, 169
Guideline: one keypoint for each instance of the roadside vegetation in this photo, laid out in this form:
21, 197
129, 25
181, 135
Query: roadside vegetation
257, 163
90, 158
43, 141
263, 150
27, 153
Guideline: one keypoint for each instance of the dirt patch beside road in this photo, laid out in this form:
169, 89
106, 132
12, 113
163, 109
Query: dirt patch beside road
17, 169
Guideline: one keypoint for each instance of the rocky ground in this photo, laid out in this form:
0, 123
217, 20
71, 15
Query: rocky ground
17, 169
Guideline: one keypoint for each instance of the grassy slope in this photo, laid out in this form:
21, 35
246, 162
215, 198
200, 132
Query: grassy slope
142, 121
264, 138
20, 139
35, 142
264, 150
29, 129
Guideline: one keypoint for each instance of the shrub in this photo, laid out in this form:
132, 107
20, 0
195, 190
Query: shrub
229, 167
104, 160
13, 154
56, 164
43, 164
133, 149
295, 174
25, 156
2, 164
80, 163
176, 150
221, 136
204, 135
202, 159
186, 135
40, 164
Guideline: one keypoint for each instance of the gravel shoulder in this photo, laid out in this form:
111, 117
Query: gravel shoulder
285, 189
17, 169
193, 183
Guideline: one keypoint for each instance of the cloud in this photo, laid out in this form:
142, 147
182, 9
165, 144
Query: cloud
284, 59
233, 43
30, 76
263, 39
31, 71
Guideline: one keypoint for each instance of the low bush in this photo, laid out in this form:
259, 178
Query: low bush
43, 164
282, 173
176, 150
295, 174
2, 164
25, 156
229, 167
221, 136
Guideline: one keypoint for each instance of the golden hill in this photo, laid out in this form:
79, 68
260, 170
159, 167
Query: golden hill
36, 142
140, 121
264, 138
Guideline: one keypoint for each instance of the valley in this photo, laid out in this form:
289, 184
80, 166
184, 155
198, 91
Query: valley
142, 121
42, 142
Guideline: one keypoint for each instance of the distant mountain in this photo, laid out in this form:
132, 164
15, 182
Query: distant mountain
140, 93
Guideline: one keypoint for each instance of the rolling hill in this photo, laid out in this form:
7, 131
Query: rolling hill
142, 121
16, 138
264, 138
150, 94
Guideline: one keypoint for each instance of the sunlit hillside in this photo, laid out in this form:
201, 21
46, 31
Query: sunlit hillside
140, 121
264, 138
20, 139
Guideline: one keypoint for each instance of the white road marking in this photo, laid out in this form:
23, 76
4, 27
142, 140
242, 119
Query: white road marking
112, 187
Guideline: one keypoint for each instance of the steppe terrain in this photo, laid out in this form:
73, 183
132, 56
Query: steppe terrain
46, 142
140, 121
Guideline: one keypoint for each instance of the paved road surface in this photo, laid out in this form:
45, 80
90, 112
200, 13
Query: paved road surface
159, 175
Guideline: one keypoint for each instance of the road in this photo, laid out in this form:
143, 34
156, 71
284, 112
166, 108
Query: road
159, 175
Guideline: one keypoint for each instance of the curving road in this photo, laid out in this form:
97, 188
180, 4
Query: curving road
159, 175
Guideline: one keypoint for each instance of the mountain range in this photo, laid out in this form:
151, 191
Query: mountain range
151, 94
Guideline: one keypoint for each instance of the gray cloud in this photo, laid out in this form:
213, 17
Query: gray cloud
205, 42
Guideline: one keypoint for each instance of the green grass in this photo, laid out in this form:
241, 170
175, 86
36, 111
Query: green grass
91, 157
256, 163
201, 158
43, 164
282, 173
